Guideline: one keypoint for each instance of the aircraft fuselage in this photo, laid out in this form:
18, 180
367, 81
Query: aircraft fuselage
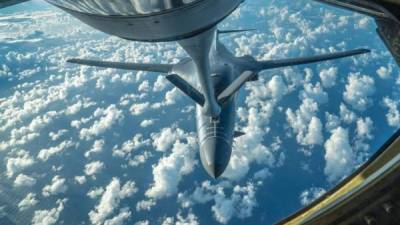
215, 134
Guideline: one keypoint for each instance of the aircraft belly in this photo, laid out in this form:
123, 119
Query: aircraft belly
167, 25
224, 128
216, 138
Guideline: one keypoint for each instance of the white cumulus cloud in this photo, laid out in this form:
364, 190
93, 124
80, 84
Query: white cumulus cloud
28, 202
339, 156
164, 139
94, 168
170, 169
48, 217
98, 146
393, 115
17, 164
23, 180
328, 77
305, 124
311, 194
110, 201
359, 89
45, 154
56, 187
107, 118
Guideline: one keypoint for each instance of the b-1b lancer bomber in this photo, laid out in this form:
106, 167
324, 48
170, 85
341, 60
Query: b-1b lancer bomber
193, 24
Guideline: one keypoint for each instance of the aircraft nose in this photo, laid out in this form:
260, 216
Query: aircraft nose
215, 153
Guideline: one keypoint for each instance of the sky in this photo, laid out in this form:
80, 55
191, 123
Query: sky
82, 145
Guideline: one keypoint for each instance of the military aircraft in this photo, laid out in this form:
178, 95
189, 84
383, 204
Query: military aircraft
387, 18
193, 24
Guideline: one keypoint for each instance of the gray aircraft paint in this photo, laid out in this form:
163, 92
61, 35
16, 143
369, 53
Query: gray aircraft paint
7, 3
219, 73
163, 20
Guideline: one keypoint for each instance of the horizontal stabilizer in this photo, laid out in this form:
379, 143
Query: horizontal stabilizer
364, 7
270, 64
161, 68
235, 86
234, 31
186, 88
238, 134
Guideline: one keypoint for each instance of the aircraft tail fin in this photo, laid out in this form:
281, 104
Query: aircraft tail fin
186, 88
271, 64
235, 86
238, 134
161, 68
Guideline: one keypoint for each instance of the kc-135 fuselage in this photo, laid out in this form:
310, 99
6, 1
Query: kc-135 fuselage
193, 24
